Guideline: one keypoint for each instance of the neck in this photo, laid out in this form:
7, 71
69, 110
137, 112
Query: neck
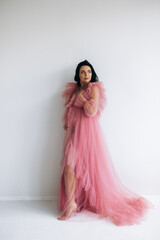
83, 84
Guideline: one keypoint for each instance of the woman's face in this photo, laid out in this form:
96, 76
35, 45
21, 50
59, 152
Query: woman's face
85, 74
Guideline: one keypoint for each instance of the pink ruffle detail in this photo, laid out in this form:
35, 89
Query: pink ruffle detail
67, 94
102, 99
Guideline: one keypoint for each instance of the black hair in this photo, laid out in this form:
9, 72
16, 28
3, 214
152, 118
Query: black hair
86, 63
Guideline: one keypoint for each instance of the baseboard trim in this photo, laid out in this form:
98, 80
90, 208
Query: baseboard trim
27, 198
54, 198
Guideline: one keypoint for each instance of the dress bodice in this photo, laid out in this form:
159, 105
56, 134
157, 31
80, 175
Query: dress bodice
94, 93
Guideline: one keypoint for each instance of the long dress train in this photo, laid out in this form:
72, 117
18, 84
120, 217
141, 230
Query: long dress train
98, 187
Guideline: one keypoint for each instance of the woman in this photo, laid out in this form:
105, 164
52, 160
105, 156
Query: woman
88, 179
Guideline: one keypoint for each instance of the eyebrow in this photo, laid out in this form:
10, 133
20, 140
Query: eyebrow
86, 70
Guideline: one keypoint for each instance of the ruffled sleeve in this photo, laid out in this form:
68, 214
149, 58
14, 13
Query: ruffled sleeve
91, 105
67, 94
95, 99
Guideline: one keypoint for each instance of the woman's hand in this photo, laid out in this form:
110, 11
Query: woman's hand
80, 95
65, 127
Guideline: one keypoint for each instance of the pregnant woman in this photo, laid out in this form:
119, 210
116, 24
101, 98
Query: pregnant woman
88, 178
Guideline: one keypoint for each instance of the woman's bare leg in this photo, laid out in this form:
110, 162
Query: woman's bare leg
70, 184
70, 181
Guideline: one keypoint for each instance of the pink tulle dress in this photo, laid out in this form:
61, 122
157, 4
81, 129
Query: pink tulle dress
98, 187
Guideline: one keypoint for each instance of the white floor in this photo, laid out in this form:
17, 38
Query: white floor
37, 220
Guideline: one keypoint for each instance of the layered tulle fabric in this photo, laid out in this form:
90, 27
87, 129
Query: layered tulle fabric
98, 187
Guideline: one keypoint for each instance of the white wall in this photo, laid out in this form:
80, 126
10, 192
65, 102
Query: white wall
41, 44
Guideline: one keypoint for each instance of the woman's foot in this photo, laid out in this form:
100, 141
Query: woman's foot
72, 208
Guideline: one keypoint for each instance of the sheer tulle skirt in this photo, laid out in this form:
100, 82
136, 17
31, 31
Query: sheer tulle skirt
98, 187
